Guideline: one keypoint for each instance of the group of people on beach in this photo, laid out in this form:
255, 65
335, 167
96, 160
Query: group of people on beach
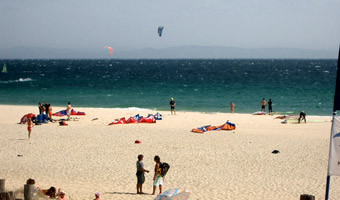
51, 193
157, 177
263, 106
46, 109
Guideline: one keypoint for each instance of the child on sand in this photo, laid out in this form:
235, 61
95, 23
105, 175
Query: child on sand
140, 174
29, 127
158, 180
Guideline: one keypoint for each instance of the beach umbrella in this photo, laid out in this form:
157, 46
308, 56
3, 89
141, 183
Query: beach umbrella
174, 194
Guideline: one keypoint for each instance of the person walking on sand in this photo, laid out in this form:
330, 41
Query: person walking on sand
270, 108
302, 116
158, 180
232, 105
29, 127
140, 174
172, 106
263, 105
68, 110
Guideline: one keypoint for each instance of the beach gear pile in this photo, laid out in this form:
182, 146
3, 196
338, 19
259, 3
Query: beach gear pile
138, 119
63, 113
203, 129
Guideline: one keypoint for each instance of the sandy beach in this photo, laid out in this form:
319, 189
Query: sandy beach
89, 156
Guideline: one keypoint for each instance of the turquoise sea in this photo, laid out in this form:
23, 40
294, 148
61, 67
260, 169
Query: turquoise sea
197, 85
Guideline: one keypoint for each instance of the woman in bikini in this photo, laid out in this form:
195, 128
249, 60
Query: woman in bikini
29, 127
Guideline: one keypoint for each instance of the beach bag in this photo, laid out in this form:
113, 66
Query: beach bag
164, 168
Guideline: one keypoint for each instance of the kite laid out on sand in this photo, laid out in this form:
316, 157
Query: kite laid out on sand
110, 49
138, 119
174, 194
227, 126
63, 113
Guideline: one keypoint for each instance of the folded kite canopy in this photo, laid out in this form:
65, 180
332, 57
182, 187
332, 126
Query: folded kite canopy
226, 126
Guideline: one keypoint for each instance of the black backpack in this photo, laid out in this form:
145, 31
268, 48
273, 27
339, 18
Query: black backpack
164, 168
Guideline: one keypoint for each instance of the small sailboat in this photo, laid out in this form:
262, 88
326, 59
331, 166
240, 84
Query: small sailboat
4, 69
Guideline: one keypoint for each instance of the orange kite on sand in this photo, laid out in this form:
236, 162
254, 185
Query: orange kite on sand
226, 126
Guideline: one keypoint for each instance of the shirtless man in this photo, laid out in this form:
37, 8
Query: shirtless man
263, 105
68, 110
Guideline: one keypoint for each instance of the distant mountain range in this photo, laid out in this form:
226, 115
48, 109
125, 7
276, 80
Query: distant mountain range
195, 52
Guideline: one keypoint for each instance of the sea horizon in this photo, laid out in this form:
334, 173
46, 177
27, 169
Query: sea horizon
202, 85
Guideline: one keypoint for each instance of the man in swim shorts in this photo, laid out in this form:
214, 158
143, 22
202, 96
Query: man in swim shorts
263, 105
140, 174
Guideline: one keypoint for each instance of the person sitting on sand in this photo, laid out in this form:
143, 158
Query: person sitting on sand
97, 196
61, 195
302, 116
140, 174
49, 193
158, 180
29, 127
68, 110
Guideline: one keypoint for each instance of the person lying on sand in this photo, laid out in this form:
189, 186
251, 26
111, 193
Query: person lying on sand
49, 193
61, 195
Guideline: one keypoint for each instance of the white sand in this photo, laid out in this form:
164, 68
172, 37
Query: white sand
90, 156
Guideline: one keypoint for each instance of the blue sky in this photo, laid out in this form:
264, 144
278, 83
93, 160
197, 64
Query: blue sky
132, 24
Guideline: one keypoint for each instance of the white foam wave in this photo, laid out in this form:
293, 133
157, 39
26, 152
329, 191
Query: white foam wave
19, 80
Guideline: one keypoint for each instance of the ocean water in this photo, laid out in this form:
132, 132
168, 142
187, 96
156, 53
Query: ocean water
196, 85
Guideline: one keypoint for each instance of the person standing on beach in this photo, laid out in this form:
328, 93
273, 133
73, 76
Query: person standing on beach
41, 109
270, 109
302, 116
47, 109
68, 110
157, 178
29, 127
232, 105
140, 174
172, 106
263, 105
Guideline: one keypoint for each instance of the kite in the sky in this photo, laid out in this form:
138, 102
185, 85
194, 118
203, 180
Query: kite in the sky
107, 47
160, 30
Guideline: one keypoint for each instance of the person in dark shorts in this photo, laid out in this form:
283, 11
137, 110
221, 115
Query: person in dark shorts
140, 174
172, 106
270, 108
41, 109
302, 116
263, 105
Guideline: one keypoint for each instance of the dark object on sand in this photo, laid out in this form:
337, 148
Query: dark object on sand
2, 185
307, 197
63, 123
275, 151
19, 155
137, 142
94, 119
